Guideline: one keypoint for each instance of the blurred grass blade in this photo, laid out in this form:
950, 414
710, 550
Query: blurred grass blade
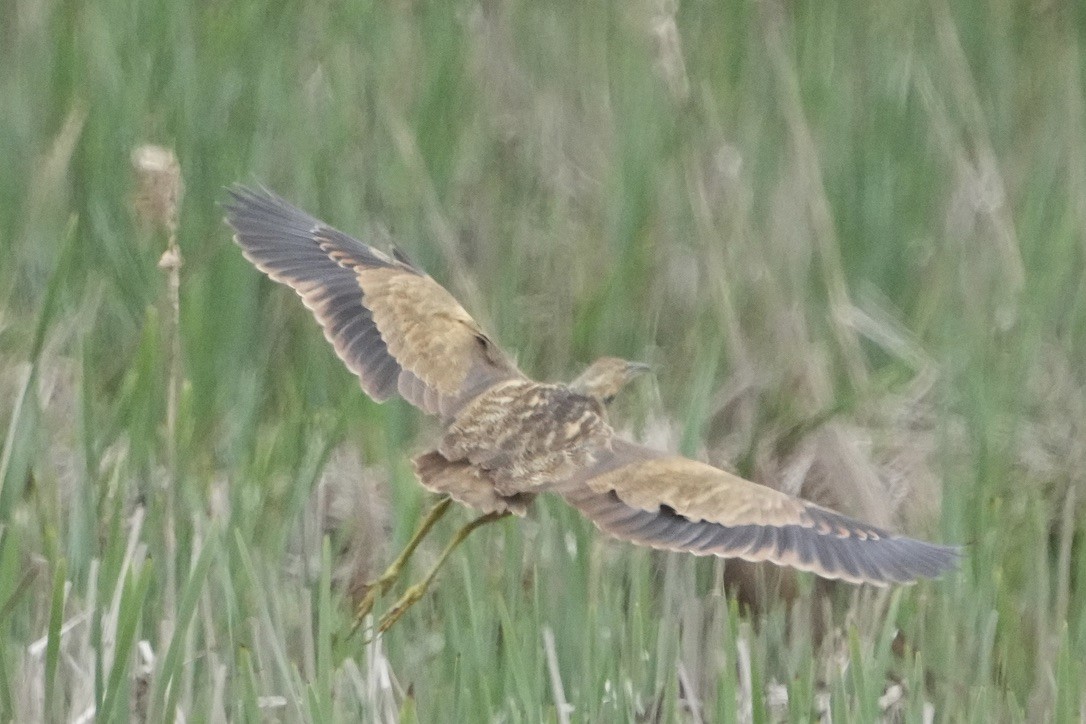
167, 678
45, 316
322, 687
265, 623
52, 647
129, 613
52, 290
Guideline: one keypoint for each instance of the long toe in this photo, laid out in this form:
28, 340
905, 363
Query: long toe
409, 598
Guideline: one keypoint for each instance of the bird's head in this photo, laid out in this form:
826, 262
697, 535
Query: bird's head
605, 377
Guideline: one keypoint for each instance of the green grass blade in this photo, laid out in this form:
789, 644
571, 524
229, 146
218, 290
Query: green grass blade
129, 615
167, 676
52, 646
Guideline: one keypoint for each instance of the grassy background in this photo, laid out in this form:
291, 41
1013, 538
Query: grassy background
853, 236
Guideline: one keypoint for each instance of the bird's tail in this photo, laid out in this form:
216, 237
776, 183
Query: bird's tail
465, 483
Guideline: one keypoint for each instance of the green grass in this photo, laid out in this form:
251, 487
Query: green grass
850, 235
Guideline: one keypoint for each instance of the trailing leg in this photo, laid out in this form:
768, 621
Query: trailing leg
414, 593
377, 588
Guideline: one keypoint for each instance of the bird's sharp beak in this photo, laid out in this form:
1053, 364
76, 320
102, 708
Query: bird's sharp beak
635, 369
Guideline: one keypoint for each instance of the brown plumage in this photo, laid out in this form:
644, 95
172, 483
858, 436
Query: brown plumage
508, 438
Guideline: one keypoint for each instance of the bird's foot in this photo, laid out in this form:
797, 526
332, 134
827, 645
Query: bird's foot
380, 586
374, 590
414, 593
409, 598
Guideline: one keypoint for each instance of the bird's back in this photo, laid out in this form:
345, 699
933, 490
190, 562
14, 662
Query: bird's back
527, 434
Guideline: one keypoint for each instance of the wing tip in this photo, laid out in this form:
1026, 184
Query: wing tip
254, 212
856, 558
240, 197
260, 217
882, 562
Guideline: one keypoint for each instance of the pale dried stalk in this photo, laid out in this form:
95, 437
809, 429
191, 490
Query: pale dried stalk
157, 203
561, 705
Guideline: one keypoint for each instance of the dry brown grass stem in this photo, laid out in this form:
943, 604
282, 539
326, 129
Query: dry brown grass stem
160, 188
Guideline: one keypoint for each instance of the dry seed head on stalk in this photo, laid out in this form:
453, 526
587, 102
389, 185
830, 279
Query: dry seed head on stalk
158, 186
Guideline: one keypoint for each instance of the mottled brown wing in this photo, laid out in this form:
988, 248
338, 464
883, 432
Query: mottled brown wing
390, 323
675, 503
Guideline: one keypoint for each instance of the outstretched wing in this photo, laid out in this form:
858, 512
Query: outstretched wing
390, 323
674, 503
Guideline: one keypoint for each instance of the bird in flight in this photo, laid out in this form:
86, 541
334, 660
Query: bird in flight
508, 438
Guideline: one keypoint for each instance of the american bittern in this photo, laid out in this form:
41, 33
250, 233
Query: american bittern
508, 438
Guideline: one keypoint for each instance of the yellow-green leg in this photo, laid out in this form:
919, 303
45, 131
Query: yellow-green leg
412, 595
377, 588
